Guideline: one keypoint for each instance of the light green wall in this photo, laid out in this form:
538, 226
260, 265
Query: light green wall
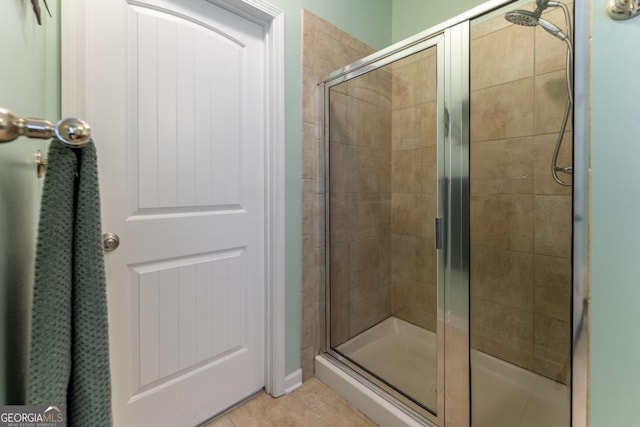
615, 227
369, 21
29, 87
412, 16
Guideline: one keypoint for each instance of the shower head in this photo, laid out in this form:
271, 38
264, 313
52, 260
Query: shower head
526, 18
531, 19
522, 17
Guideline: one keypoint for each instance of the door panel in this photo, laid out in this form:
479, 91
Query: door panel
184, 161
196, 326
177, 114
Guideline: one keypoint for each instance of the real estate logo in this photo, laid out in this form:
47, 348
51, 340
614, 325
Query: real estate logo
32, 416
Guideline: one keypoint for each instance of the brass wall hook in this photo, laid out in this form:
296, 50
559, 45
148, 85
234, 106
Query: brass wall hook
41, 163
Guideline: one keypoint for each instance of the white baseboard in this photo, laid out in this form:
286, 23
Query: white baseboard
293, 381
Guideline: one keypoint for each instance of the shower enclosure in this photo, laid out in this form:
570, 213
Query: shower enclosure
449, 218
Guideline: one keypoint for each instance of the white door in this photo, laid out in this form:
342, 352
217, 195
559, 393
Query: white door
176, 102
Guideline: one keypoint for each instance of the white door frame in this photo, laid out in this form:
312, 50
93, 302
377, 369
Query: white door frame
74, 84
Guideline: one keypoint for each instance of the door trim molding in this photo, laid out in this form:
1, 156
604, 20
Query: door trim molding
74, 85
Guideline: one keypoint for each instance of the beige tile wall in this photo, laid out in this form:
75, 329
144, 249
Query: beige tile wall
383, 201
326, 48
413, 193
360, 204
383, 157
520, 218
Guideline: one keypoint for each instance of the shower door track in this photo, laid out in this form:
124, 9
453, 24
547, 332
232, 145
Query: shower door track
379, 387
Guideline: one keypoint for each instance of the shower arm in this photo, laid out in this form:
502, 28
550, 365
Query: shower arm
623, 9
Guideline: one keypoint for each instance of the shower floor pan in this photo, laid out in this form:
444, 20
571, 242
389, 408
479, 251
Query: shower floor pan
399, 353
403, 355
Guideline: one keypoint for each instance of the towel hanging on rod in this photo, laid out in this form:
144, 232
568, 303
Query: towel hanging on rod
71, 132
69, 356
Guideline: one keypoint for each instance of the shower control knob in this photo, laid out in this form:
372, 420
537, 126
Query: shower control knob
110, 242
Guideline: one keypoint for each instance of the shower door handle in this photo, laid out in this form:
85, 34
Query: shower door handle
439, 233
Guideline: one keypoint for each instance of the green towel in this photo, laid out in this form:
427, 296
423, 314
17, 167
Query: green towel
69, 359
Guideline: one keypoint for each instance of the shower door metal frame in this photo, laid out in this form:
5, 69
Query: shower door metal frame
456, 291
438, 41
452, 46
454, 305
581, 200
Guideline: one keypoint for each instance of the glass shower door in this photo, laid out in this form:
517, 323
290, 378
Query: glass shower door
384, 142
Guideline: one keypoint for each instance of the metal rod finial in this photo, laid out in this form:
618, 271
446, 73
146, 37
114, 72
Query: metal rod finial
73, 132
8, 126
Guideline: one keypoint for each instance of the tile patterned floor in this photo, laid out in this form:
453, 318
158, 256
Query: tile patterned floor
314, 404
